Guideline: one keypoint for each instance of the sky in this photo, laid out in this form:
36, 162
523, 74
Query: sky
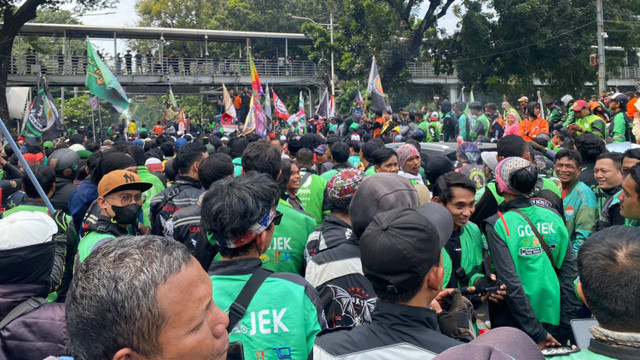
124, 14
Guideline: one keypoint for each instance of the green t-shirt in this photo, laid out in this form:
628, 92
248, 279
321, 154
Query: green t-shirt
157, 187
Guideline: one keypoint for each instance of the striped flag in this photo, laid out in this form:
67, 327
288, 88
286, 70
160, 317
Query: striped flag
255, 79
281, 110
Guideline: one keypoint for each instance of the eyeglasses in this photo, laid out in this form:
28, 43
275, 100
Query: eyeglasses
126, 199
277, 218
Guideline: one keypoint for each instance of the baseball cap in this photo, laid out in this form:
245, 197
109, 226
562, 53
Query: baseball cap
619, 97
378, 193
119, 180
344, 184
490, 158
434, 116
400, 246
181, 142
579, 105
33, 157
523, 99
321, 149
47, 144
25, 228
503, 343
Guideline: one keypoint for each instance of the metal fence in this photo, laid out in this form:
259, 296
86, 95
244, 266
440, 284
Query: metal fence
77, 65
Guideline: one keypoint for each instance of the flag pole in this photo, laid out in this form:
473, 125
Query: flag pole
93, 121
99, 117
26, 167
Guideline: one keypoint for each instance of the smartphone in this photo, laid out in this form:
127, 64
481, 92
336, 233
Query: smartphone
236, 351
580, 328
559, 351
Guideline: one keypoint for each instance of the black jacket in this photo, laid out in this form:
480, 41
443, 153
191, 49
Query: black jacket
186, 225
184, 192
395, 332
60, 198
334, 269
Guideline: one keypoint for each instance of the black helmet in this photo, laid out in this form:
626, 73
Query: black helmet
65, 163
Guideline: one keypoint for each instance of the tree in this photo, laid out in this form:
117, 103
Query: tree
16, 13
504, 49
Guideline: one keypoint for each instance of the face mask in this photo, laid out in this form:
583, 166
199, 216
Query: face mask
126, 214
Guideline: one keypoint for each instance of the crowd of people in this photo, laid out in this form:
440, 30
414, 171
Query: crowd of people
328, 241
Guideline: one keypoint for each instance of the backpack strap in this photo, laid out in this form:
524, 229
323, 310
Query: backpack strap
23, 308
543, 243
239, 306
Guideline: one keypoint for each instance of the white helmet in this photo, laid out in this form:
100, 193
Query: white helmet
566, 99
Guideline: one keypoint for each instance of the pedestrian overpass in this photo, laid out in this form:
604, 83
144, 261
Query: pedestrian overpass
148, 75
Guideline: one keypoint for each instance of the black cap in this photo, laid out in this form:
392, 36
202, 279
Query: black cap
400, 246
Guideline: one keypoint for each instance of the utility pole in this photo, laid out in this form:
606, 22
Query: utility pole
602, 82
333, 86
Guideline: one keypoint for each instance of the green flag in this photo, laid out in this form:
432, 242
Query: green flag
101, 81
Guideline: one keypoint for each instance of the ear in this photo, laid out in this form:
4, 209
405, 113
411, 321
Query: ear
435, 276
376, 168
437, 200
127, 354
581, 293
102, 202
264, 240
279, 174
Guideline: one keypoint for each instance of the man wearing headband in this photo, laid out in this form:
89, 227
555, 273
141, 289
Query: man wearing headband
284, 315
468, 155
530, 248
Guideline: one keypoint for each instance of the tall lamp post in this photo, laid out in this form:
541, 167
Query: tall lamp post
330, 26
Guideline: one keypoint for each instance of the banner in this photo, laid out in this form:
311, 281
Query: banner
94, 103
267, 111
255, 118
332, 108
378, 101
281, 110
229, 114
255, 79
171, 108
358, 104
43, 121
323, 106
101, 81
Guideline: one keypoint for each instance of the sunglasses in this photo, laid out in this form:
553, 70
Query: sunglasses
277, 218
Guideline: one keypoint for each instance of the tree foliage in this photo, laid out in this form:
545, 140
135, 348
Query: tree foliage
503, 46
16, 13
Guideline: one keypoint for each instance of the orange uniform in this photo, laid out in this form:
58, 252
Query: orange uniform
528, 130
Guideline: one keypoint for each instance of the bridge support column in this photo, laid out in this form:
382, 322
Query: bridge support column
453, 93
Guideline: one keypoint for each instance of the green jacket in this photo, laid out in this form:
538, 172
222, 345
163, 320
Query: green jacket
554, 116
355, 160
537, 294
618, 128
157, 187
431, 130
472, 245
580, 213
286, 252
283, 318
481, 127
592, 123
311, 195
